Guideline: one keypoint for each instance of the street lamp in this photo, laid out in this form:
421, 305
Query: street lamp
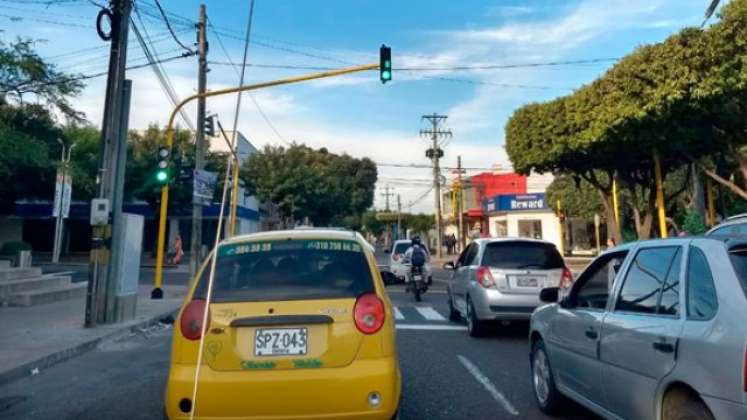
60, 180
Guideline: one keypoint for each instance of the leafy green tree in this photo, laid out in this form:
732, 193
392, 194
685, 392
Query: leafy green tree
578, 198
309, 183
24, 74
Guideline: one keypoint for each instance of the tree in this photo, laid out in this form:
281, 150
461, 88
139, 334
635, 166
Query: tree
309, 183
578, 198
24, 73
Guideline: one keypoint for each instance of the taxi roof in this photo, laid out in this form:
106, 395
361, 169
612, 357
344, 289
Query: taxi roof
306, 233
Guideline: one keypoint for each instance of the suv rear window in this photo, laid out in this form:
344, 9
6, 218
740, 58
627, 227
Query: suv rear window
288, 270
738, 258
520, 254
400, 247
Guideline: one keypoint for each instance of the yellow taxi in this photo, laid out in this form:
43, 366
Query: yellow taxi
299, 327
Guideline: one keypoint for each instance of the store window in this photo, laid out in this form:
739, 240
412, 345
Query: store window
501, 228
530, 229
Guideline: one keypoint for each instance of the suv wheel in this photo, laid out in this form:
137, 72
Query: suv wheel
475, 327
548, 398
684, 405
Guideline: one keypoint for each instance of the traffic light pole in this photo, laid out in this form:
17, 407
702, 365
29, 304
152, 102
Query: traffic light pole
158, 279
196, 237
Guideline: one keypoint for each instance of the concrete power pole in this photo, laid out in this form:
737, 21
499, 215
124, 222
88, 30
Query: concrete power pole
202, 49
399, 217
460, 204
386, 195
435, 153
101, 290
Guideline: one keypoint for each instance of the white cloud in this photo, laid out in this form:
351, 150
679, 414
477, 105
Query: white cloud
509, 11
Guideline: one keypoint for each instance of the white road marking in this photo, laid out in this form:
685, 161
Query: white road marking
485, 382
430, 314
398, 314
430, 327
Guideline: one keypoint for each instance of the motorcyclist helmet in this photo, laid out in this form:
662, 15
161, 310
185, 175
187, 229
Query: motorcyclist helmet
416, 240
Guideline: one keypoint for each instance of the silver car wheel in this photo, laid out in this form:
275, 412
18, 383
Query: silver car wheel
541, 376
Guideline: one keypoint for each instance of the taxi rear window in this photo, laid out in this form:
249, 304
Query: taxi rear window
288, 270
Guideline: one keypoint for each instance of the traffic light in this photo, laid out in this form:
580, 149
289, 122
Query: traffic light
162, 173
209, 126
385, 63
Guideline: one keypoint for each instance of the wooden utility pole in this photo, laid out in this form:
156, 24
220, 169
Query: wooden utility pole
435, 153
202, 49
100, 294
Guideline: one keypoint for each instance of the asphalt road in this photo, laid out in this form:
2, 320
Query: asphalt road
447, 374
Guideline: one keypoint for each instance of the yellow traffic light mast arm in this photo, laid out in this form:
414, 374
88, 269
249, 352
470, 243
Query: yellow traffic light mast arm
160, 242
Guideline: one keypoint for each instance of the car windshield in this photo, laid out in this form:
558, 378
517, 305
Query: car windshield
520, 254
288, 270
401, 247
738, 258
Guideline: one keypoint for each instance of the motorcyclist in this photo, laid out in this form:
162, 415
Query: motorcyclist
416, 246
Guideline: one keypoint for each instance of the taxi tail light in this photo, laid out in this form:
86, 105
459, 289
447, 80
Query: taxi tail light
566, 279
484, 277
190, 322
368, 313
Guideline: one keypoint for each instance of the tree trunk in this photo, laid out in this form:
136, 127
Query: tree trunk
613, 229
725, 182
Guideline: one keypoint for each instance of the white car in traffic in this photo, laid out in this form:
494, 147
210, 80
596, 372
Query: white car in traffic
396, 257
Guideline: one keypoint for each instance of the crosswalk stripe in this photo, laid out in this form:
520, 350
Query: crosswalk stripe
430, 314
398, 314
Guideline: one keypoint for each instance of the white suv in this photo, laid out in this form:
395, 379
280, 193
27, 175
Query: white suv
397, 254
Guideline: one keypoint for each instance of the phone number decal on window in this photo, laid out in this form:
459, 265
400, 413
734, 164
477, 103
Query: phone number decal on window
334, 246
247, 248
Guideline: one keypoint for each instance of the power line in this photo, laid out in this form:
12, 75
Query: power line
168, 25
159, 71
238, 73
104, 73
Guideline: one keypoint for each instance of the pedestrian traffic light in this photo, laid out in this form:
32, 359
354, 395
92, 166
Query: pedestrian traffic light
209, 126
162, 172
385, 63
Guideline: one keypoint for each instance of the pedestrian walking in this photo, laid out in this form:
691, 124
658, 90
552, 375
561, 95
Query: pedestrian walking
176, 257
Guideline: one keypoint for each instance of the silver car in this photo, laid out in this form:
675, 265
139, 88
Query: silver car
500, 279
650, 330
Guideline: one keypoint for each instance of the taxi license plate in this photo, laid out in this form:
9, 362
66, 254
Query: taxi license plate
280, 341
527, 282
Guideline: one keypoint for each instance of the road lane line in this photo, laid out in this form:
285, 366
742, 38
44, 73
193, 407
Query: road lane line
430, 327
430, 314
482, 379
398, 314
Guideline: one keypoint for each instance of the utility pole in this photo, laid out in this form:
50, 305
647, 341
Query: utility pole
435, 153
100, 295
460, 204
399, 217
386, 195
202, 49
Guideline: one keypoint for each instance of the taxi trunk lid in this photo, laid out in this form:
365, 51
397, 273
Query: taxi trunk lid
282, 335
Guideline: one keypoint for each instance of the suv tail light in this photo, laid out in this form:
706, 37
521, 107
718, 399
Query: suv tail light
566, 279
368, 313
191, 321
484, 277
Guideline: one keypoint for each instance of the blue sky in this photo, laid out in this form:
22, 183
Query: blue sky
356, 114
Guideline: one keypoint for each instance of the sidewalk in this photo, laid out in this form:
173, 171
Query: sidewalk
38, 337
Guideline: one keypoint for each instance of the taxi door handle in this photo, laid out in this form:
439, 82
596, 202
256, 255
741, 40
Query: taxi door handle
591, 334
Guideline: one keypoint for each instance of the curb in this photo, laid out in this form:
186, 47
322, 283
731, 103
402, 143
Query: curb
45, 362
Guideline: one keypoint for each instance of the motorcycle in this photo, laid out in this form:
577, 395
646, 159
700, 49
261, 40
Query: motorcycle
417, 283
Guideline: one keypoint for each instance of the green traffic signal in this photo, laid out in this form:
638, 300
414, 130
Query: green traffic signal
385, 64
162, 176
